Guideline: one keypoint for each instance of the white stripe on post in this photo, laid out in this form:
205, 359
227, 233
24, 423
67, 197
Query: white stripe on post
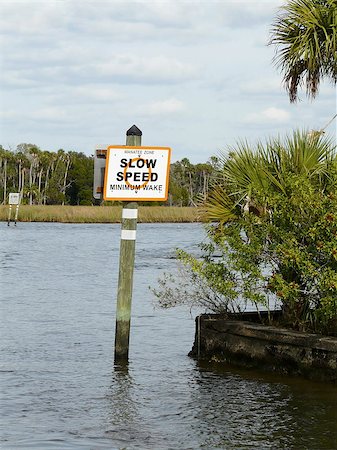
130, 213
128, 235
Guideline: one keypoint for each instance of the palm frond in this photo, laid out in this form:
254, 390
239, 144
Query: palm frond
250, 174
305, 36
242, 171
219, 207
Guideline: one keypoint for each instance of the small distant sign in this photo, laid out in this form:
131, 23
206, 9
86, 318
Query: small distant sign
14, 198
137, 173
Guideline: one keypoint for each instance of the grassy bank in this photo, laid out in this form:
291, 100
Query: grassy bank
98, 214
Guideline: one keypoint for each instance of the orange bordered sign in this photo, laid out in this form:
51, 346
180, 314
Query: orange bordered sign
137, 173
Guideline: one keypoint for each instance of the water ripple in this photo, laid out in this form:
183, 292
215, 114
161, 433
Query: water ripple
60, 389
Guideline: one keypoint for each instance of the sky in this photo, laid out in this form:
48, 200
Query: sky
196, 76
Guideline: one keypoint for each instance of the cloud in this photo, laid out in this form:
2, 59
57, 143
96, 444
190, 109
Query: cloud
50, 114
167, 13
92, 93
8, 114
74, 66
246, 13
135, 69
268, 115
262, 86
165, 107
79, 72
31, 18
40, 115
126, 21
18, 80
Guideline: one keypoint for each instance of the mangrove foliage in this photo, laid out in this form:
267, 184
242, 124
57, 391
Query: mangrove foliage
272, 236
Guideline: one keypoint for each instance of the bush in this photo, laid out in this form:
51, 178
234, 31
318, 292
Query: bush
273, 240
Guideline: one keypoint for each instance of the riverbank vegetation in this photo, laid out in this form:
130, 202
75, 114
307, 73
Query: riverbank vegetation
272, 236
66, 178
96, 214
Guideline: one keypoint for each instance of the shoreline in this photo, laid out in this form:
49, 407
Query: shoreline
99, 214
270, 348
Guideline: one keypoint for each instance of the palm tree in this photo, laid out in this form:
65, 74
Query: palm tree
48, 160
6, 173
305, 35
22, 167
33, 156
249, 175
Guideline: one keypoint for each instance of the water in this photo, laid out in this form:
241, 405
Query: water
59, 386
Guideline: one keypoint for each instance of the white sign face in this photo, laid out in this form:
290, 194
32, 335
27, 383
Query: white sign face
14, 198
137, 173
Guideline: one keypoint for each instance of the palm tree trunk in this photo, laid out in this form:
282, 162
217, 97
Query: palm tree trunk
5, 181
19, 176
30, 183
65, 178
39, 187
22, 181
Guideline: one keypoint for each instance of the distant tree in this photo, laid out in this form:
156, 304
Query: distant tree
305, 35
5, 159
33, 155
47, 161
189, 183
45, 177
203, 174
81, 173
21, 166
58, 179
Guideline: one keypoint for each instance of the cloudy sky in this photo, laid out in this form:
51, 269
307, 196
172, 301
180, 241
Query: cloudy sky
193, 75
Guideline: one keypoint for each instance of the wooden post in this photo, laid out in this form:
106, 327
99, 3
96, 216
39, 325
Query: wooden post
16, 213
9, 214
126, 266
14, 199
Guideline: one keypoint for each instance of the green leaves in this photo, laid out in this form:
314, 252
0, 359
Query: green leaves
272, 234
219, 207
305, 36
251, 175
305, 231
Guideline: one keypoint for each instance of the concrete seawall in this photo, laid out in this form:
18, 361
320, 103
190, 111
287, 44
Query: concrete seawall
268, 348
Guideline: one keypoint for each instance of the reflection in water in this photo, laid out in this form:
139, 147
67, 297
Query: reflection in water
127, 423
245, 409
313, 409
122, 405
122, 414
236, 413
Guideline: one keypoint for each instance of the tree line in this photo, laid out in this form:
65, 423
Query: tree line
45, 177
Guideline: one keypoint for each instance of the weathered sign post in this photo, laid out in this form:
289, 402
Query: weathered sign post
14, 199
132, 173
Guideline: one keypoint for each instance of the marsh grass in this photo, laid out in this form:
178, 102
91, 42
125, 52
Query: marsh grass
98, 214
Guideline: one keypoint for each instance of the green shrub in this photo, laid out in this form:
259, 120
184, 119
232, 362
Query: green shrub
272, 236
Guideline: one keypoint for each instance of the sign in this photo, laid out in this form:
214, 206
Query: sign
14, 198
99, 169
137, 173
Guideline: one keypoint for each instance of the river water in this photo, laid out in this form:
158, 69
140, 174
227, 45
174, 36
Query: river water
59, 386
